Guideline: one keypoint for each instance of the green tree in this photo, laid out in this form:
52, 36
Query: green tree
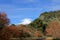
38, 24
13, 25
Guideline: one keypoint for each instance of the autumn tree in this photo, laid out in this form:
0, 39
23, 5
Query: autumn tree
4, 21
9, 32
53, 29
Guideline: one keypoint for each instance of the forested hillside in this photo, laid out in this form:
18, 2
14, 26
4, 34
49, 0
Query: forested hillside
47, 24
45, 21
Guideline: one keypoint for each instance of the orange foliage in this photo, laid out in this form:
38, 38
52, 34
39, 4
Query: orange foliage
30, 31
53, 29
37, 33
9, 32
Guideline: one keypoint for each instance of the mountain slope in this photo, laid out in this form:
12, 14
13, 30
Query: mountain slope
48, 20
49, 16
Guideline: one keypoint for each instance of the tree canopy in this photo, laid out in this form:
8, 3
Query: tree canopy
4, 21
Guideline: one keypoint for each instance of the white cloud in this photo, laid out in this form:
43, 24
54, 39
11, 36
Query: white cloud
25, 21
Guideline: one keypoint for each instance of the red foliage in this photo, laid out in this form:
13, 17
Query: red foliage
9, 32
53, 29
3, 19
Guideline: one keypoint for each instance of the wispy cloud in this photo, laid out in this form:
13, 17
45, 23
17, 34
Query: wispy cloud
25, 1
31, 9
56, 7
55, 1
7, 6
31, 1
12, 7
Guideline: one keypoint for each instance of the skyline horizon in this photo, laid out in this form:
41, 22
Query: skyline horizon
19, 10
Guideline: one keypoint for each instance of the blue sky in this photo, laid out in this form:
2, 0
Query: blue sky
19, 11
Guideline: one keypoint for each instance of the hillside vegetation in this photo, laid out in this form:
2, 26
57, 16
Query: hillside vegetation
45, 21
46, 25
